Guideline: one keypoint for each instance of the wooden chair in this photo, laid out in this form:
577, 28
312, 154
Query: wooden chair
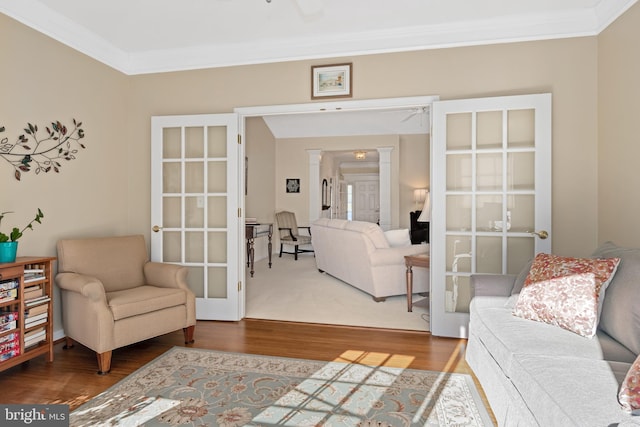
290, 235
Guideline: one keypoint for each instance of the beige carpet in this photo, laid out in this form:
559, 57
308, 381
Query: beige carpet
297, 291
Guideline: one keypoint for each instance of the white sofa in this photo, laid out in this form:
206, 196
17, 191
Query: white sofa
536, 374
360, 254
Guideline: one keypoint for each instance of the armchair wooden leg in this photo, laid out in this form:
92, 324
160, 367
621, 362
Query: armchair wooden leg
280, 256
68, 343
295, 254
104, 362
188, 334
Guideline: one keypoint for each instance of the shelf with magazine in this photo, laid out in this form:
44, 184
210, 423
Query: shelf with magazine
26, 309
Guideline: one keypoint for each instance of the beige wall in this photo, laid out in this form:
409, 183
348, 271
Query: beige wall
619, 131
292, 161
414, 172
566, 68
43, 81
260, 150
106, 190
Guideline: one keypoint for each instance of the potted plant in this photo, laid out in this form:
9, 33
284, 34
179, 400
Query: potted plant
9, 242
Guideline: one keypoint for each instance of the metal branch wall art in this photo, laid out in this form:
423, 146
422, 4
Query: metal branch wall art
42, 152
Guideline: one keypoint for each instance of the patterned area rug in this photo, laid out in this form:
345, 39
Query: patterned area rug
197, 387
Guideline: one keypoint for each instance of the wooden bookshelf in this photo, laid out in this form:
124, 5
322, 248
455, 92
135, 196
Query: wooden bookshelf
31, 310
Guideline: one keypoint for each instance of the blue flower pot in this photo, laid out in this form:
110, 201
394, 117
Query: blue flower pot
8, 251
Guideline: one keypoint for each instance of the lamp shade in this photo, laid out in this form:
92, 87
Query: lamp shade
425, 215
419, 195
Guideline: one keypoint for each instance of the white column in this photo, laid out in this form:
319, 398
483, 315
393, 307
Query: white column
314, 184
385, 187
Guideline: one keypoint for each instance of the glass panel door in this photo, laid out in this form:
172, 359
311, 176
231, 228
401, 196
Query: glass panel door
491, 193
195, 213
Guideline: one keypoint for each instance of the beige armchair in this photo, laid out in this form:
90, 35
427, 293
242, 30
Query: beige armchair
113, 296
290, 234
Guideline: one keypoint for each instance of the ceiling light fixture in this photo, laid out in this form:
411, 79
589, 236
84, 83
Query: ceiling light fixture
360, 155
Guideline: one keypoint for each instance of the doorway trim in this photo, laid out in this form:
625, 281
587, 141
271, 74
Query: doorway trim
335, 106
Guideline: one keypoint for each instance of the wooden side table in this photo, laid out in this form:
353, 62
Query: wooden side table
420, 260
253, 231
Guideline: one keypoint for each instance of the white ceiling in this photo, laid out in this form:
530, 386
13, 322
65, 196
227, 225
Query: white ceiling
147, 36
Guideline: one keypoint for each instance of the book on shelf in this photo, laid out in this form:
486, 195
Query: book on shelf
8, 321
29, 320
9, 337
31, 343
10, 345
9, 354
38, 309
36, 301
35, 333
35, 323
9, 284
33, 277
33, 291
8, 295
34, 337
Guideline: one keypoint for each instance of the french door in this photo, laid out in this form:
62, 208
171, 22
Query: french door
195, 207
490, 195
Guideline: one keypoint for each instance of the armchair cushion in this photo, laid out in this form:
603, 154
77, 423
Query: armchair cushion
143, 299
118, 262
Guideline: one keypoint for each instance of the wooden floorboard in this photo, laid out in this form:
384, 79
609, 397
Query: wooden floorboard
72, 377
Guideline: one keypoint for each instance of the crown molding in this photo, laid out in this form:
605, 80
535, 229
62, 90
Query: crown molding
578, 23
34, 14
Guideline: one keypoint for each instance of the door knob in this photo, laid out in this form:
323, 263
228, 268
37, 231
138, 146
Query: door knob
156, 228
541, 234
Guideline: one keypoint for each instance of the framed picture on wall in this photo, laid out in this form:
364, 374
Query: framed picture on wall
293, 185
331, 81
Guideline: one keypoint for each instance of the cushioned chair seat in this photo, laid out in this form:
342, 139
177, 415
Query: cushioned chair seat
300, 240
143, 299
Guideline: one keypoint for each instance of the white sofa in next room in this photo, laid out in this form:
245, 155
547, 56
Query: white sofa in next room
364, 256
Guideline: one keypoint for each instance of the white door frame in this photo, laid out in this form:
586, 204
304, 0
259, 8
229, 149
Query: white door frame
336, 106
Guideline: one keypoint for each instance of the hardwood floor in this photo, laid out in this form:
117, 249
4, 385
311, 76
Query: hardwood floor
72, 378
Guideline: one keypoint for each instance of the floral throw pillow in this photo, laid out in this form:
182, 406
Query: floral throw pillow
629, 395
566, 292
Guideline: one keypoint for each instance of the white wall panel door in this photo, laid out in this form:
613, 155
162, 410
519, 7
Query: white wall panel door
367, 206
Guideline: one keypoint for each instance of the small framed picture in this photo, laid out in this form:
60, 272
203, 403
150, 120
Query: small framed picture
331, 81
293, 185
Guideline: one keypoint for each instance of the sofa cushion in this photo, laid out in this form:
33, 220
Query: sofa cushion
398, 238
629, 394
566, 292
335, 223
621, 308
585, 396
373, 231
507, 335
